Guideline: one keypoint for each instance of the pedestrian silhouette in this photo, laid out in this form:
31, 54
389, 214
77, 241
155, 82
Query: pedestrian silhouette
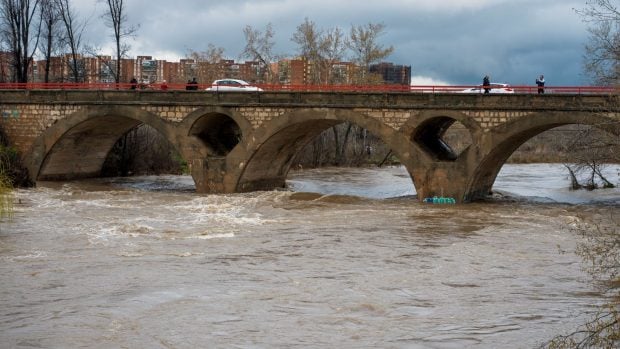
486, 83
193, 85
540, 82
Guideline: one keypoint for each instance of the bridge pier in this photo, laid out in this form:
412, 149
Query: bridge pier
440, 180
208, 175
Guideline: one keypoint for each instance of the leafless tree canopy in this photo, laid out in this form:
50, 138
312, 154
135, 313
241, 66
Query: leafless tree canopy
321, 48
20, 25
599, 250
364, 43
72, 37
592, 149
143, 151
259, 48
602, 52
49, 33
116, 19
595, 147
207, 67
308, 38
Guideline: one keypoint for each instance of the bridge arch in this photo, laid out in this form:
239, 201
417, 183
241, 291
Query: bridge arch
218, 129
496, 149
427, 130
76, 146
265, 159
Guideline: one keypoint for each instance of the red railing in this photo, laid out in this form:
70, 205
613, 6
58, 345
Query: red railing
314, 88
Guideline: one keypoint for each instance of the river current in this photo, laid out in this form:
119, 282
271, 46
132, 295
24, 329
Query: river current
344, 258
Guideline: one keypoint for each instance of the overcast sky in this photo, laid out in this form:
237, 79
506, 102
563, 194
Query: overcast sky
444, 41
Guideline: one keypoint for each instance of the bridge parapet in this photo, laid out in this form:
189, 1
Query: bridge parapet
25, 122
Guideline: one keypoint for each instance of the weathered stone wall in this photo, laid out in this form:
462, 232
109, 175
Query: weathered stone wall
395, 118
257, 116
23, 123
490, 119
174, 113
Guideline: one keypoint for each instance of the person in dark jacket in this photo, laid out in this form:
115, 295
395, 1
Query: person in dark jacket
486, 83
193, 85
540, 82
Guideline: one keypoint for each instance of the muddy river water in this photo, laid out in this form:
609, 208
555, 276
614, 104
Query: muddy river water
345, 258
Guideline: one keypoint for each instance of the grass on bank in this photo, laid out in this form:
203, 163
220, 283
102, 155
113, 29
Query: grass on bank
6, 190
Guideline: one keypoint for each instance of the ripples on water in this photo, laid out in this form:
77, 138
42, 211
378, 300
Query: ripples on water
347, 258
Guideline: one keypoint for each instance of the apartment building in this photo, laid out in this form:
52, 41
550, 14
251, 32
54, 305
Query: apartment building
147, 69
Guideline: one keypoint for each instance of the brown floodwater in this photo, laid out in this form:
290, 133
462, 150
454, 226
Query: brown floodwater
345, 258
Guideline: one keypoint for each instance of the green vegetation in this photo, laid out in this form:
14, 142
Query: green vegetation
11, 166
6, 185
182, 164
12, 174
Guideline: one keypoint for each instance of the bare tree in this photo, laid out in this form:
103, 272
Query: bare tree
49, 33
309, 40
208, 65
259, 48
321, 49
333, 47
591, 150
363, 41
594, 147
599, 251
340, 146
117, 20
143, 151
602, 52
20, 30
72, 38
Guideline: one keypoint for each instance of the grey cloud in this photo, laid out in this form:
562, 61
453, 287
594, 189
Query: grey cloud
454, 41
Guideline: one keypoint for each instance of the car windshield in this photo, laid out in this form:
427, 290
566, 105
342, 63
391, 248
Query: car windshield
230, 83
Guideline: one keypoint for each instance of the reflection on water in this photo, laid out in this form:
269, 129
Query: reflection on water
348, 259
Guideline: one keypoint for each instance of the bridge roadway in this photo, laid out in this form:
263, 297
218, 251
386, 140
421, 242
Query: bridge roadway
235, 142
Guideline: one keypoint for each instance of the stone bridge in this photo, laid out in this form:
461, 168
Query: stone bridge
236, 142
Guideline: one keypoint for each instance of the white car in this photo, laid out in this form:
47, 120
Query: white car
496, 87
232, 85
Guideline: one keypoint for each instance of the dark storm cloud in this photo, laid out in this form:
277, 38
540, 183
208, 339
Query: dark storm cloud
451, 41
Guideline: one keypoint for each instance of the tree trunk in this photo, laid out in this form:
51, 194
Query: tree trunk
574, 183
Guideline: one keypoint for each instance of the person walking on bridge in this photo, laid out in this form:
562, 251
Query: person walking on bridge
540, 82
486, 83
193, 85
